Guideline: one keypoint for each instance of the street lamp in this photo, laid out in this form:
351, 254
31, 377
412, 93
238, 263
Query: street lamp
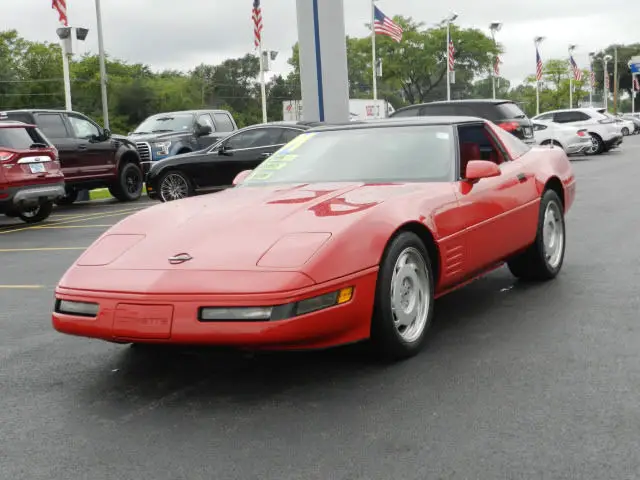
66, 42
571, 49
606, 59
494, 27
537, 41
452, 16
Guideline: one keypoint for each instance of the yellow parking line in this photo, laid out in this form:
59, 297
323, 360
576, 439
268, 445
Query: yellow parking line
43, 249
64, 222
22, 287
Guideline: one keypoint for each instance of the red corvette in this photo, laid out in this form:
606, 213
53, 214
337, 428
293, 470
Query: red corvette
347, 233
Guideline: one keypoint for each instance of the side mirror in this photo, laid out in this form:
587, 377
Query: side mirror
241, 177
477, 169
202, 130
106, 134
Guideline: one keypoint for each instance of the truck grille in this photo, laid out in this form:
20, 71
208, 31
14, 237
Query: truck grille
144, 149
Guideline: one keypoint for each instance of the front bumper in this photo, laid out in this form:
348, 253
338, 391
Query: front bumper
24, 197
173, 319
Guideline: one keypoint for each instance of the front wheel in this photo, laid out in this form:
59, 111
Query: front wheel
128, 186
625, 131
403, 308
544, 258
36, 214
174, 185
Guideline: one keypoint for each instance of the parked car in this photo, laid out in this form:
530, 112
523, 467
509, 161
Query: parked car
636, 121
504, 113
174, 133
90, 156
572, 140
214, 168
347, 234
603, 130
30, 174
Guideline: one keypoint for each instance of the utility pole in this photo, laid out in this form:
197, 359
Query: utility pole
615, 79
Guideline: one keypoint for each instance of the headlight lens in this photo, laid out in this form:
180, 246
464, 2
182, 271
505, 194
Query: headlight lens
81, 309
162, 147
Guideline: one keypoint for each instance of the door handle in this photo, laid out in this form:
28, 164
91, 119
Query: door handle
82, 147
521, 177
265, 155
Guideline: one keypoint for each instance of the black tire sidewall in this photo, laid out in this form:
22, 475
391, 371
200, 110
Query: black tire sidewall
122, 182
548, 197
44, 212
383, 331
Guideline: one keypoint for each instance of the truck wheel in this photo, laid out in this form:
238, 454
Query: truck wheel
128, 186
37, 214
70, 197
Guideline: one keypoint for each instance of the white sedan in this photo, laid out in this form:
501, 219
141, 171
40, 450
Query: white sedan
572, 140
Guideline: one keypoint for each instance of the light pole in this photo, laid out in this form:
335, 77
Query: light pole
448, 21
591, 86
537, 41
571, 49
103, 70
494, 27
605, 88
66, 42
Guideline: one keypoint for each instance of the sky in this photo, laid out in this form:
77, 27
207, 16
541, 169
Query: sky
181, 35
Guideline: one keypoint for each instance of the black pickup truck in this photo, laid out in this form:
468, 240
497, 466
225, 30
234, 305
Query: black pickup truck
174, 133
90, 156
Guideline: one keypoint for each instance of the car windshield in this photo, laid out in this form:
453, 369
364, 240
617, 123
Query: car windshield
378, 154
19, 138
166, 123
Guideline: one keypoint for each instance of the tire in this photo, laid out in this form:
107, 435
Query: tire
552, 142
625, 131
128, 186
174, 185
70, 197
533, 264
389, 339
598, 144
37, 214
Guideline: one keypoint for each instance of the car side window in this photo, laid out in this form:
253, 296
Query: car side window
546, 116
206, 121
539, 126
289, 134
223, 122
52, 125
409, 112
567, 117
582, 117
83, 128
254, 138
515, 147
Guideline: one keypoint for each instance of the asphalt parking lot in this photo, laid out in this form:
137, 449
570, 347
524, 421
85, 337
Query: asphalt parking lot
536, 381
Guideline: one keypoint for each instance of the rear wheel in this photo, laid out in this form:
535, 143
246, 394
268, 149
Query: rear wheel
403, 308
174, 185
597, 145
36, 214
625, 131
544, 258
128, 186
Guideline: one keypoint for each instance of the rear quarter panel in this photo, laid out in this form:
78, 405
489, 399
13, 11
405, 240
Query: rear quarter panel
548, 163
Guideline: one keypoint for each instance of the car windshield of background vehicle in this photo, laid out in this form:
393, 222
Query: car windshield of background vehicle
166, 123
379, 154
18, 138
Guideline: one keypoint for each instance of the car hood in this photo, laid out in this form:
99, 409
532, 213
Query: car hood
158, 137
242, 228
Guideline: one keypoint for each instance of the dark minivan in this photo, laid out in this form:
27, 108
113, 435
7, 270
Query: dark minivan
504, 113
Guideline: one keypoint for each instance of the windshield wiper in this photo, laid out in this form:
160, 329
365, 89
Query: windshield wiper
140, 133
519, 116
38, 145
162, 130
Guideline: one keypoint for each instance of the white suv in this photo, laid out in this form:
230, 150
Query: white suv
605, 133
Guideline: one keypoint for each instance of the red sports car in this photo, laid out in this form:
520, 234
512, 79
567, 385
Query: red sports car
347, 233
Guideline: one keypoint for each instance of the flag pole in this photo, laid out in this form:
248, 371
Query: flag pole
373, 50
103, 70
448, 61
263, 87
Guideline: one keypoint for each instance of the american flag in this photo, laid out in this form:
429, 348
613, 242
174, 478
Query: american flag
496, 66
577, 73
383, 25
538, 66
606, 81
593, 78
61, 7
636, 85
257, 23
452, 53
